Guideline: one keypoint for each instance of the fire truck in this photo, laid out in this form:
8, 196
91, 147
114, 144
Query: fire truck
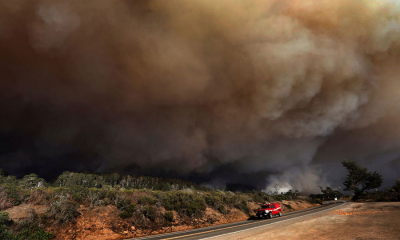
269, 210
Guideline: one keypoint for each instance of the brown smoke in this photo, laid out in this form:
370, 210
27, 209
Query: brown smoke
289, 88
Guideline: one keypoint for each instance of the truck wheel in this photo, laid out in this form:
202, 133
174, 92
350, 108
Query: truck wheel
280, 214
270, 215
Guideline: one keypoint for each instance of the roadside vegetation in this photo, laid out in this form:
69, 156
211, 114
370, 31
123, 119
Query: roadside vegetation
145, 202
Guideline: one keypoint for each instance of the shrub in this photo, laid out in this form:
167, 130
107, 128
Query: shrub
32, 232
169, 216
222, 209
5, 234
63, 211
79, 193
5, 219
125, 204
185, 203
127, 211
5, 202
125, 215
14, 194
242, 205
145, 200
213, 201
258, 197
149, 212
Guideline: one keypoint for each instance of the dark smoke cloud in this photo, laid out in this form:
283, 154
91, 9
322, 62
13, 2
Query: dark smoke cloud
251, 92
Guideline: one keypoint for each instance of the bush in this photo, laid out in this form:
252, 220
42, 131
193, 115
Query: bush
30, 230
34, 232
79, 193
169, 216
127, 210
258, 197
222, 209
125, 215
14, 194
216, 202
63, 212
185, 203
5, 234
213, 201
242, 205
125, 204
5, 219
149, 212
144, 200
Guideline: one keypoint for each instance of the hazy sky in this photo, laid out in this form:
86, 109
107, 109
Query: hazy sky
221, 92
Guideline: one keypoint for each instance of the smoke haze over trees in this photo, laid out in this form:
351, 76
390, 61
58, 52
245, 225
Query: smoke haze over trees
221, 92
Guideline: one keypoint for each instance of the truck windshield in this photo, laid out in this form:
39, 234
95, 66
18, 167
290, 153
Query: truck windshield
264, 206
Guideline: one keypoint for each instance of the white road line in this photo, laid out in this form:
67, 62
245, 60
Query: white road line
272, 223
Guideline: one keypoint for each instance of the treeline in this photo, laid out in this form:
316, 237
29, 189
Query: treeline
89, 180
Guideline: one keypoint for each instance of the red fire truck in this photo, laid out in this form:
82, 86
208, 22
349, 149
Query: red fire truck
269, 210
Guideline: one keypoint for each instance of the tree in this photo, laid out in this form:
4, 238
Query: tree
396, 187
32, 181
359, 179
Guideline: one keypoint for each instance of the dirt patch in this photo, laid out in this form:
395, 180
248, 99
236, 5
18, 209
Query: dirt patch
21, 212
353, 221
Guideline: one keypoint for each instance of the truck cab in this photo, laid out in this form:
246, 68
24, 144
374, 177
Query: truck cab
269, 210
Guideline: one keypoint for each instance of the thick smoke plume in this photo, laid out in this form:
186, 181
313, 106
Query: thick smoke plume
231, 91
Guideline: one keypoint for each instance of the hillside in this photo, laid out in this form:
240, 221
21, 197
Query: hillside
111, 206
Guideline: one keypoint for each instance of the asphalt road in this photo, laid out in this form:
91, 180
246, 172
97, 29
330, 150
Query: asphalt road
227, 229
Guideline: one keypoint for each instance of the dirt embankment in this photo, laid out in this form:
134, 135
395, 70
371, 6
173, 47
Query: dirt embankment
353, 221
103, 223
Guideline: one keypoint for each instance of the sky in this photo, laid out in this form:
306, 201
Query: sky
236, 92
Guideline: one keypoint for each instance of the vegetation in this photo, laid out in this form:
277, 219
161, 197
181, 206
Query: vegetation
28, 230
359, 179
169, 216
145, 202
63, 211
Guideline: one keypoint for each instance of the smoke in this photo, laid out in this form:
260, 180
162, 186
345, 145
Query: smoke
250, 92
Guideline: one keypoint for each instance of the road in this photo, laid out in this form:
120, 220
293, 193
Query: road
227, 229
